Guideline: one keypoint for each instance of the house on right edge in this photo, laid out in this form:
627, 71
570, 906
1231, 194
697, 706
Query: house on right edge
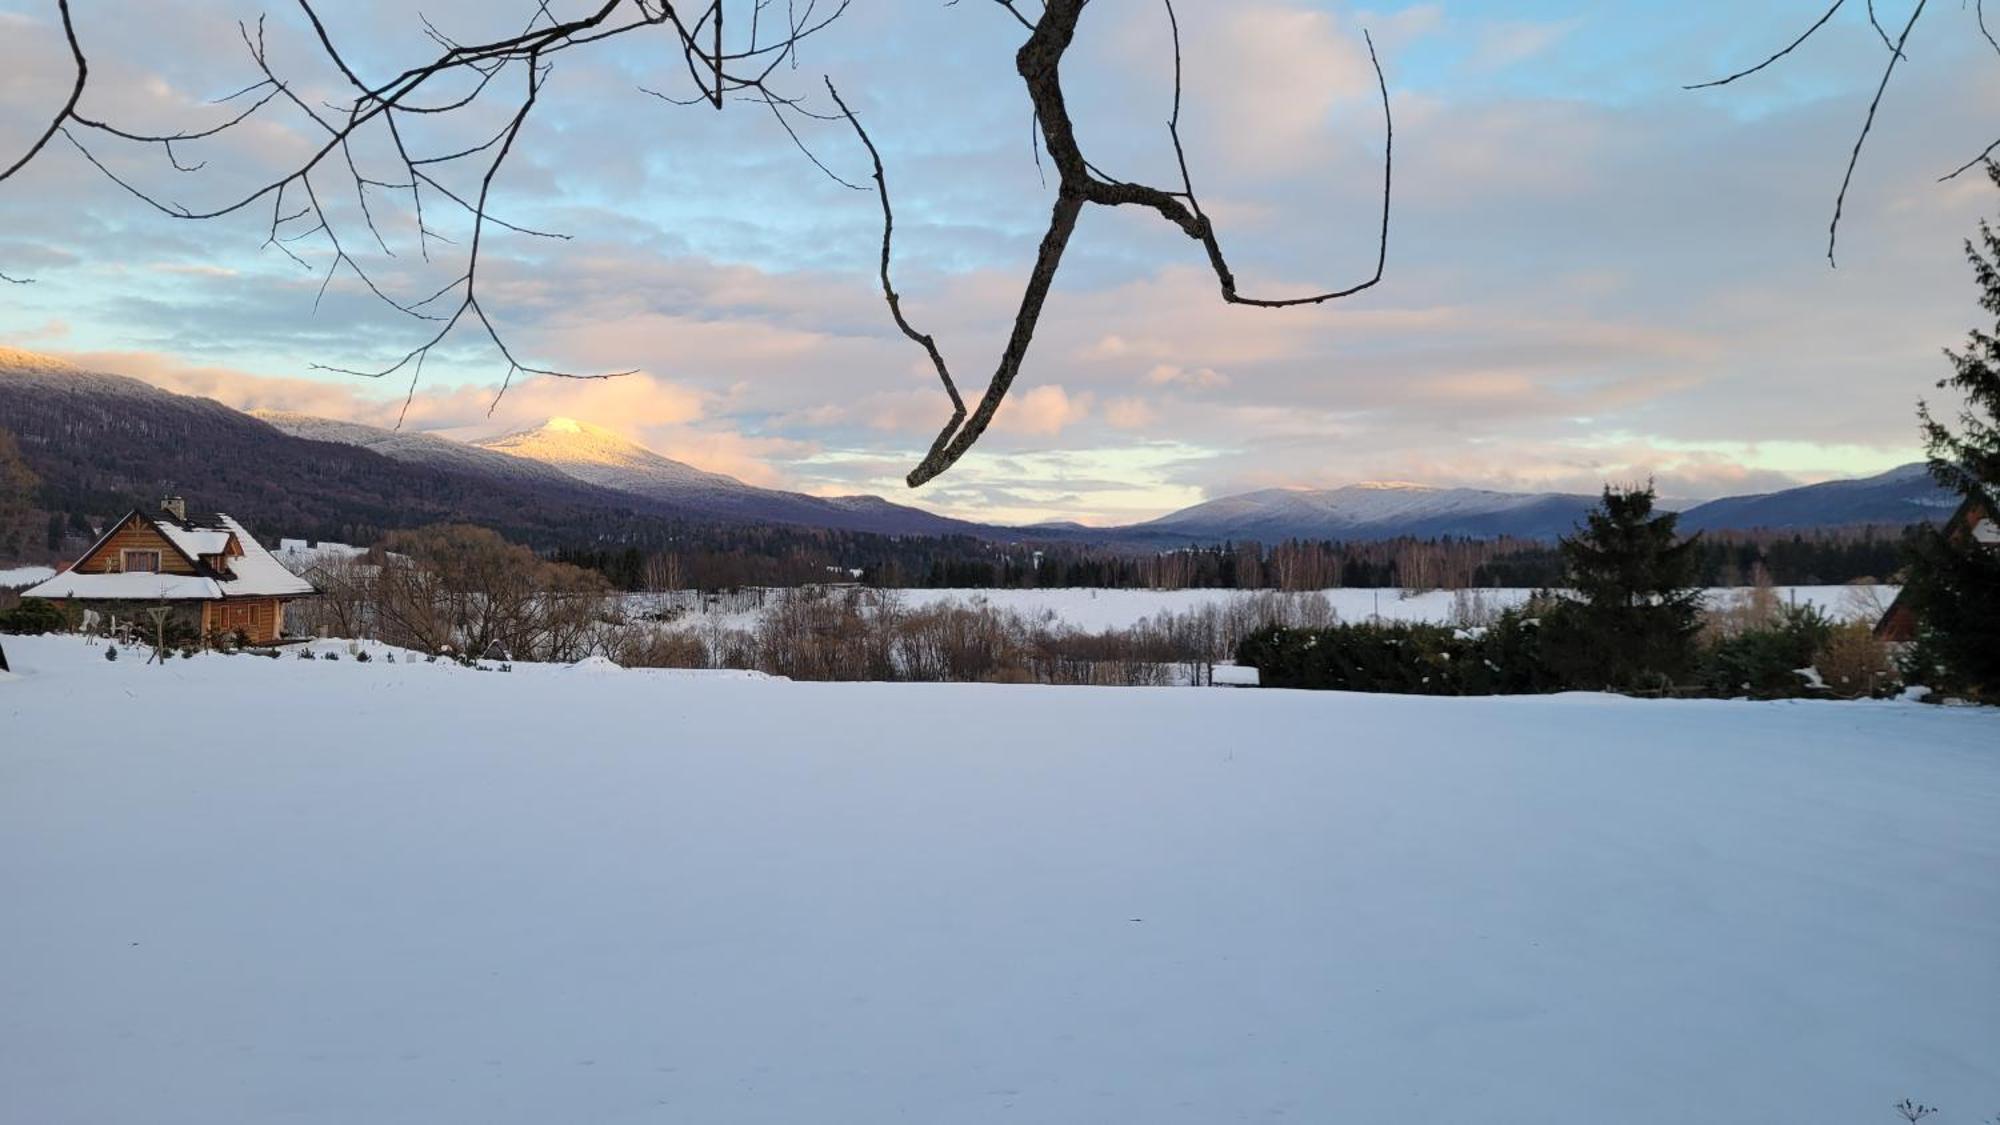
1974, 522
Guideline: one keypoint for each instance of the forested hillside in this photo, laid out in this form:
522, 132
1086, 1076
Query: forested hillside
102, 444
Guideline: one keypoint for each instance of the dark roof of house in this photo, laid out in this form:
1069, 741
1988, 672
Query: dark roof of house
1972, 518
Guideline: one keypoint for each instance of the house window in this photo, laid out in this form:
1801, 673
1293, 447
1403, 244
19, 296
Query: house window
142, 562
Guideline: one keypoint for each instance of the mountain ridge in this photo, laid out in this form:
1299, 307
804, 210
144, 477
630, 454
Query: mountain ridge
1376, 510
603, 457
565, 472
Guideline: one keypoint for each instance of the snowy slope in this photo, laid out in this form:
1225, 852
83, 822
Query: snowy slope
603, 457
407, 445
417, 894
1385, 510
608, 459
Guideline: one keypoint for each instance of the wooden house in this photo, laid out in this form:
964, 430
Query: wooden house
1975, 522
208, 567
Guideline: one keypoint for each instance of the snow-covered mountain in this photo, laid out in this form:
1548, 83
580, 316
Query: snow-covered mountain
411, 446
605, 458
1378, 510
571, 452
1385, 510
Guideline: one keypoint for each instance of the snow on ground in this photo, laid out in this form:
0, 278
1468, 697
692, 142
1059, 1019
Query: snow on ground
241, 889
21, 577
1096, 610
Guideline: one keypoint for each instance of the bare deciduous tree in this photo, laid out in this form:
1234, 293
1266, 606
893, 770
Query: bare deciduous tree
366, 147
465, 590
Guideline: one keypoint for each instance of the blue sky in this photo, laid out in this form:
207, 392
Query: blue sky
1593, 274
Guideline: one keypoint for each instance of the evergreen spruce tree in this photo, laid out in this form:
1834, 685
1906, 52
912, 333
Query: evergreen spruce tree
1954, 584
1631, 618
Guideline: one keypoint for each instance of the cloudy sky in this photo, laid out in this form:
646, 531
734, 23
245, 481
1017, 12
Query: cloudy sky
1593, 274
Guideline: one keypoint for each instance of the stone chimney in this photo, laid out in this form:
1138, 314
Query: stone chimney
175, 507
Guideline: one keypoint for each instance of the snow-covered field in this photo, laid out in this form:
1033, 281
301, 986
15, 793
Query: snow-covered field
1098, 610
249, 890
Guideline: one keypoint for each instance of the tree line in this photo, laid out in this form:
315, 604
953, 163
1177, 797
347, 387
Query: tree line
1631, 616
724, 560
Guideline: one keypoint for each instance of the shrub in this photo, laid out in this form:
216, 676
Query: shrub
661, 648
33, 616
1855, 664
1510, 657
1503, 658
1739, 612
1764, 662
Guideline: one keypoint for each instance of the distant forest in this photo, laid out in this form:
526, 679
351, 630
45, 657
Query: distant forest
787, 557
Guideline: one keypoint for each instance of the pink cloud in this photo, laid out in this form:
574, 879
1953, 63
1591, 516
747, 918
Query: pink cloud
1129, 413
1043, 411
1202, 378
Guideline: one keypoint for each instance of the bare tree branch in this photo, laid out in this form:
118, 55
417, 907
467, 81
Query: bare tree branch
1079, 183
1898, 53
69, 106
299, 213
1868, 126
1781, 53
722, 66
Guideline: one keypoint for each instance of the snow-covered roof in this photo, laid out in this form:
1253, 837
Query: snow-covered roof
127, 587
252, 573
195, 542
256, 573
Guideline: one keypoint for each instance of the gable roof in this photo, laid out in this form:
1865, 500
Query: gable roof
243, 568
1974, 520
257, 572
195, 542
118, 525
